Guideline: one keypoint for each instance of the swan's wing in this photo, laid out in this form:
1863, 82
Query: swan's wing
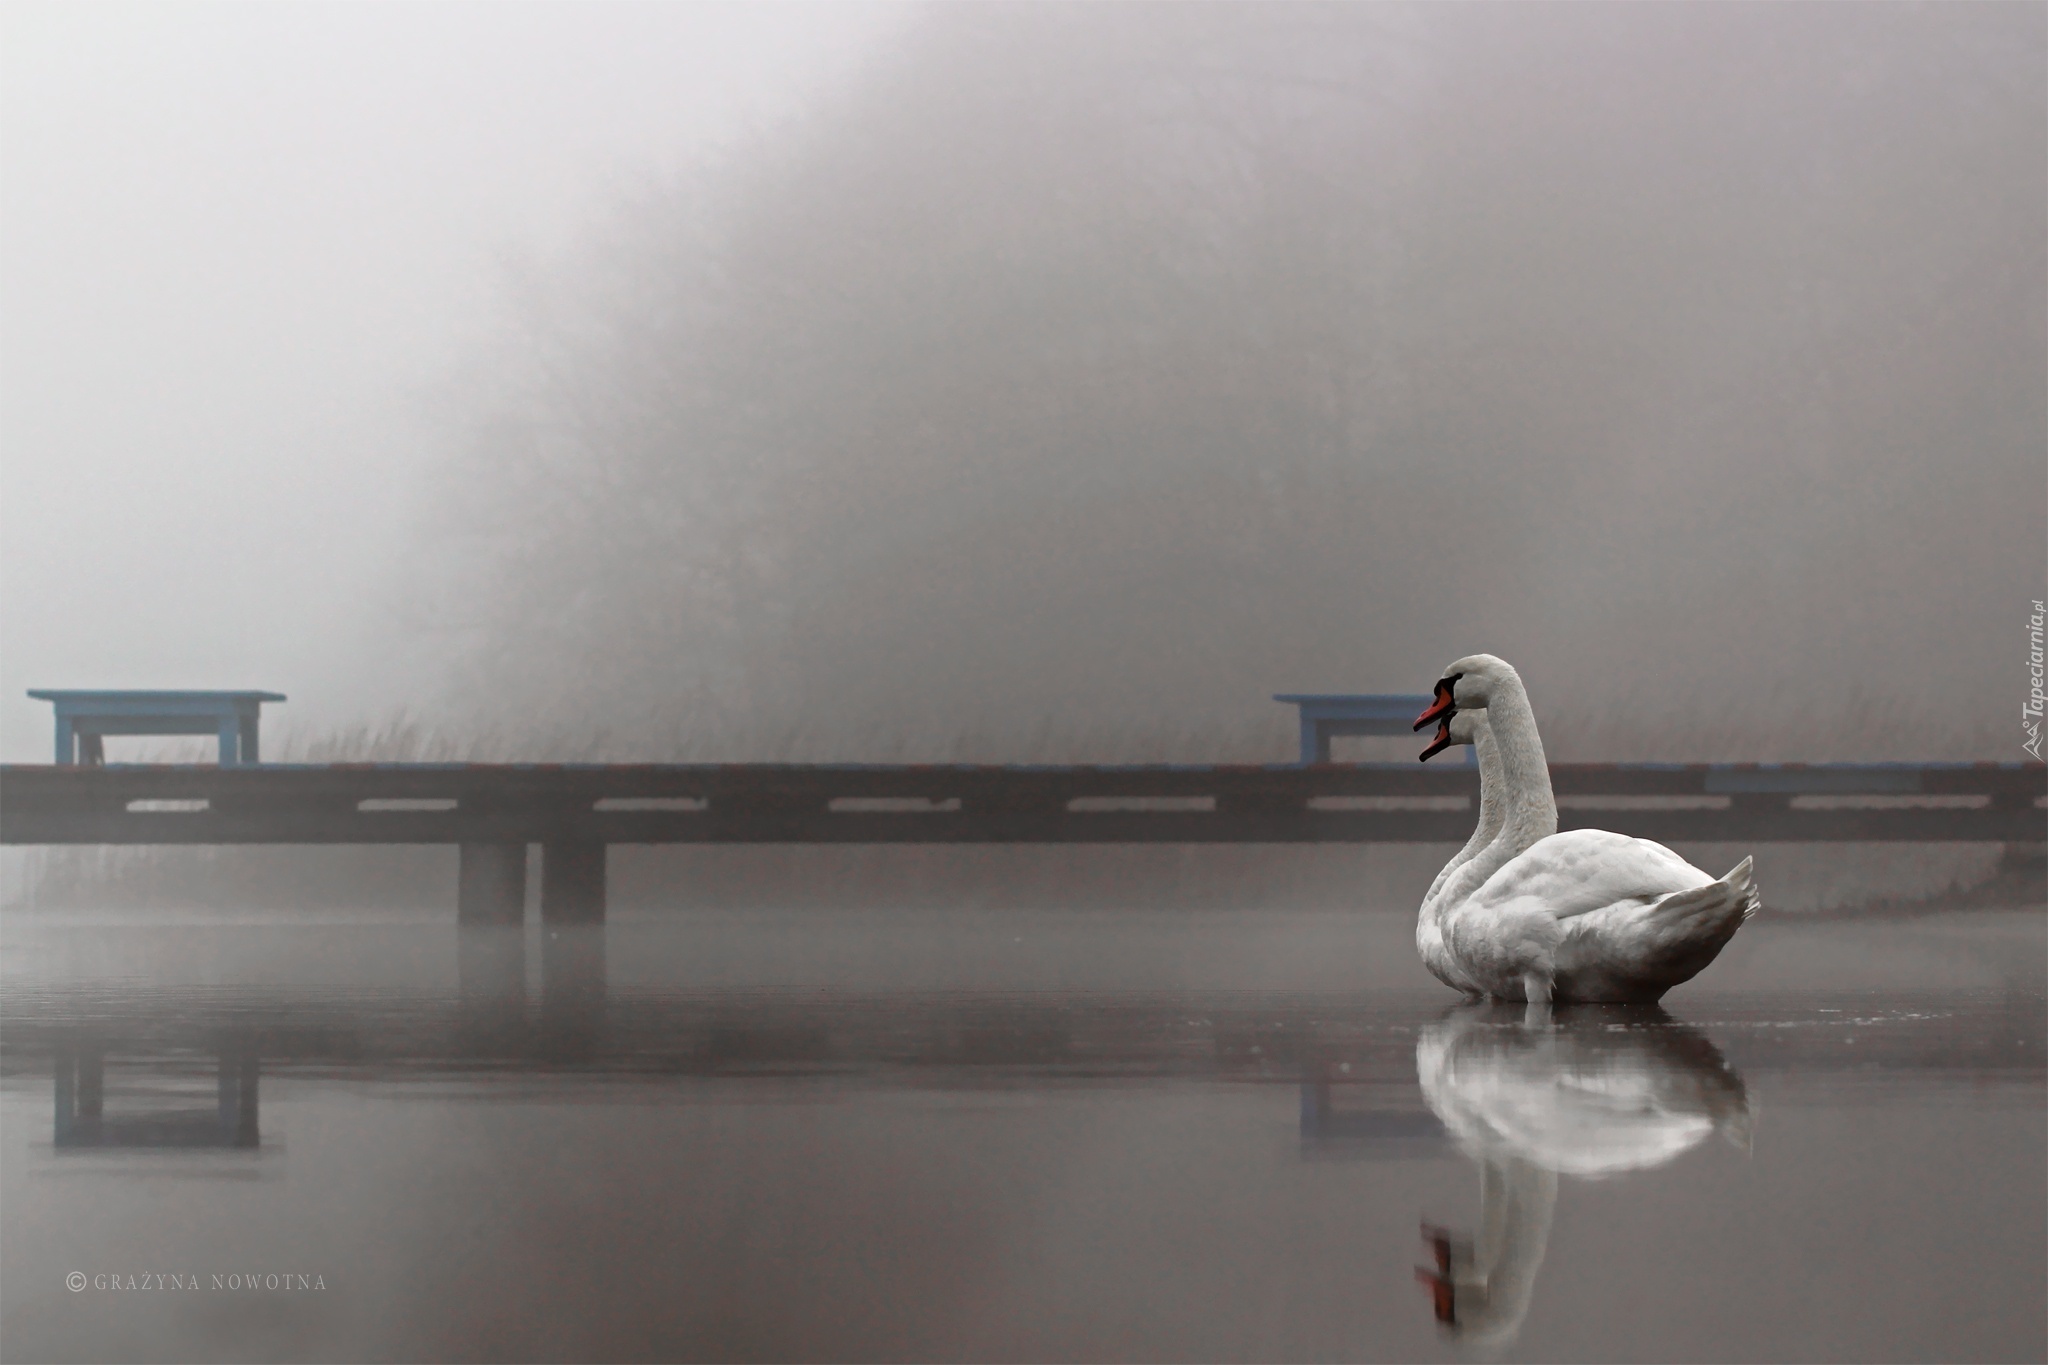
1659, 943
1584, 870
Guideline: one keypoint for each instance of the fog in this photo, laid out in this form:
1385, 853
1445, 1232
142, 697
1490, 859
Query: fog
245, 249
1035, 382
1017, 383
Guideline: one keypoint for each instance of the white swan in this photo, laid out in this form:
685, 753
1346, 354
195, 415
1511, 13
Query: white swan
1536, 915
1469, 727
1603, 1092
1462, 727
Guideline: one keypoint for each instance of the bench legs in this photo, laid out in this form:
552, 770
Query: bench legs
89, 747
1315, 741
75, 746
83, 723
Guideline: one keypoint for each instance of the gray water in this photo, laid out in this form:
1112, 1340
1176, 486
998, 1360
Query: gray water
875, 1135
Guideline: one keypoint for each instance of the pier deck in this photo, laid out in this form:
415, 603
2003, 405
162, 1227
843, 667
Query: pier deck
575, 812
911, 803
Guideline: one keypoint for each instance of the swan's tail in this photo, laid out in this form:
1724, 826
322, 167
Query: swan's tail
1741, 880
1688, 929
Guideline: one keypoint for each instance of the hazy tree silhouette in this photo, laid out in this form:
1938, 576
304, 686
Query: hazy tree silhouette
1083, 369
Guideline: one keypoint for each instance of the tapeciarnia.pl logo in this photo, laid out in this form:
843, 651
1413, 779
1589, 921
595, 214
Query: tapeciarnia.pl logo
2030, 714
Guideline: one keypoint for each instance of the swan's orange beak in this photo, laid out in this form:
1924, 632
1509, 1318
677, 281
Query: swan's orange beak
1442, 1288
1442, 1292
1446, 702
1443, 741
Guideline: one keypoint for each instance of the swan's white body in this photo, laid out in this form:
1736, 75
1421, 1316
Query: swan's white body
1594, 1095
1536, 915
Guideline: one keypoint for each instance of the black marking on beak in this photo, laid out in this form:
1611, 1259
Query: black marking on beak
1446, 704
1442, 742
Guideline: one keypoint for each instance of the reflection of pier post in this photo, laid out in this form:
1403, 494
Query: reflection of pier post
490, 964
237, 1089
572, 883
81, 1094
491, 972
1316, 1106
573, 989
92, 1085
491, 887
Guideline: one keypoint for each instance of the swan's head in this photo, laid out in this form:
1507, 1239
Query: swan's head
1467, 685
1456, 727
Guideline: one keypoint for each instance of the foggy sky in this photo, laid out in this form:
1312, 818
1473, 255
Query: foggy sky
1046, 372
241, 250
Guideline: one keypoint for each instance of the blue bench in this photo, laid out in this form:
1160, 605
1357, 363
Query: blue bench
1325, 715
84, 719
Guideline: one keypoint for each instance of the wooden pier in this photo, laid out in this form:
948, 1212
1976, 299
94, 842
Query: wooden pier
575, 811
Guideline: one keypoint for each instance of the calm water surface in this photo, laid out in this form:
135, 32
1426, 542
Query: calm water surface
876, 1135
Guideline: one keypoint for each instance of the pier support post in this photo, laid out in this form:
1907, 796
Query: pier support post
572, 883
491, 888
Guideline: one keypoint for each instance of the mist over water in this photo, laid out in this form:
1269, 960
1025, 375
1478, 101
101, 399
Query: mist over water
1016, 383
958, 1136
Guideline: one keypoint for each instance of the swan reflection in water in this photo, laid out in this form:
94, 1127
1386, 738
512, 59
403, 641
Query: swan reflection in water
1593, 1091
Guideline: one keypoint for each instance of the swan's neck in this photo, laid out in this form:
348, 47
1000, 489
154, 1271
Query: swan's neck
1531, 809
1520, 779
1517, 1199
1492, 809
